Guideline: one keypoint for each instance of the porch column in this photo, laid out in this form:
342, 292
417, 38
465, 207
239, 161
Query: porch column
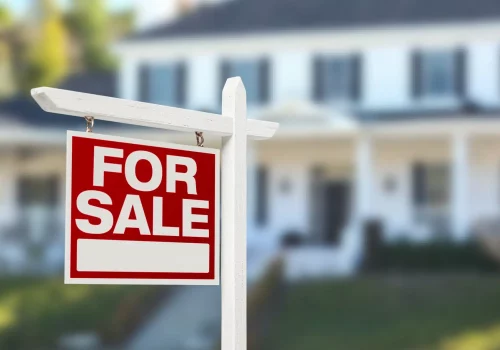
363, 178
251, 187
128, 82
460, 185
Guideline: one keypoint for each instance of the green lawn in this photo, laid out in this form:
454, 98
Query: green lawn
438, 312
34, 313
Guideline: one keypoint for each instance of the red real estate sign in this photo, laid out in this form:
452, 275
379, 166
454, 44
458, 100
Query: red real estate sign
140, 212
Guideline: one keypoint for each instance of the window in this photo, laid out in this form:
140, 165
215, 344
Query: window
34, 190
255, 76
431, 195
336, 78
163, 84
262, 195
439, 73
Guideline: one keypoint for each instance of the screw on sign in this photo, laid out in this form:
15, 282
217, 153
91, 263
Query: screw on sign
141, 212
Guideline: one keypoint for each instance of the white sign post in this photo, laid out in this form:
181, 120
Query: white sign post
234, 129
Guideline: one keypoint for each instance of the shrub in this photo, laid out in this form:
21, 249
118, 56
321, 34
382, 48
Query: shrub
433, 256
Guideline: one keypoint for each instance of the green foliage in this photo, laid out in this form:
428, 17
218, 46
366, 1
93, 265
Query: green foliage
6, 18
47, 309
433, 256
121, 23
47, 58
435, 312
262, 302
89, 24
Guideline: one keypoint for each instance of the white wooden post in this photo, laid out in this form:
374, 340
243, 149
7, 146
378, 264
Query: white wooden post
234, 129
234, 223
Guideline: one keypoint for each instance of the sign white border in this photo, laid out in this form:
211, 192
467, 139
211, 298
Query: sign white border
138, 281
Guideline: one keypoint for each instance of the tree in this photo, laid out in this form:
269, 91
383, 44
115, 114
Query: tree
6, 18
89, 23
46, 61
7, 84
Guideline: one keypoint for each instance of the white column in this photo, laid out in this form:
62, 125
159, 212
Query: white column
459, 185
128, 79
363, 178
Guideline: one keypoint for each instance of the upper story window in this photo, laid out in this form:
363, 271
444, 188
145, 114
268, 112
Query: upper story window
438, 73
255, 76
163, 84
337, 78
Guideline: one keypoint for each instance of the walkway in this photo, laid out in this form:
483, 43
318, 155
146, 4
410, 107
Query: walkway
188, 320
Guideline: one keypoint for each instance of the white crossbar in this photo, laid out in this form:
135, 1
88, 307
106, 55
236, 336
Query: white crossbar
144, 114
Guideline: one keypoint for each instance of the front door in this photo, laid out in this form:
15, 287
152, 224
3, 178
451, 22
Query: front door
336, 210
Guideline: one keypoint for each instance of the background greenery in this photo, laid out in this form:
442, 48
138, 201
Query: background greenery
50, 44
437, 312
435, 256
34, 312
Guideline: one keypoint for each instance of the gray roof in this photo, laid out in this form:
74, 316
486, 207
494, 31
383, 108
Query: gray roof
250, 16
24, 110
97, 83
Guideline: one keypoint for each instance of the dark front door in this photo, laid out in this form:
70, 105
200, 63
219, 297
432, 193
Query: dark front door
337, 195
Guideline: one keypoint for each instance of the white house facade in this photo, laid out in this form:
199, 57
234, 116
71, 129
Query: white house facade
392, 117
389, 111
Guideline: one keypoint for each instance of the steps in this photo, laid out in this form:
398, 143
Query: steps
316, 262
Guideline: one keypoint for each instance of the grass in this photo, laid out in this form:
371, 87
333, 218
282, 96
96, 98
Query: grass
34, 313
426, 312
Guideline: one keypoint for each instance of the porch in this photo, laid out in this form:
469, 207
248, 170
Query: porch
420, 180
31, 208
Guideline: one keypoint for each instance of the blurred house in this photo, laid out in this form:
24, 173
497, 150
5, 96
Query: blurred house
32, 174
388, 109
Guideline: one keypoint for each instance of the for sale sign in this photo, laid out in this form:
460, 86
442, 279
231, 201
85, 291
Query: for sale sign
141, 212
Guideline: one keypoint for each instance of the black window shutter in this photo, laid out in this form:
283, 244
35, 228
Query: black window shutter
225, 73
144, 83
460, 72
418, 181
181, 84
262, 195
319, 79
356, 77
416, 74
264, 80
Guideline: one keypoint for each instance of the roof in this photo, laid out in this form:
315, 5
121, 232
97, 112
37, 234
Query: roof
97, 83
250, 16
23, 110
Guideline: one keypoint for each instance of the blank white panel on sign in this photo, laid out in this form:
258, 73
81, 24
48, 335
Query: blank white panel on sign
138, 256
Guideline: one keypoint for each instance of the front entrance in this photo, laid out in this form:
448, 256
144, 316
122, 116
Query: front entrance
335, 210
